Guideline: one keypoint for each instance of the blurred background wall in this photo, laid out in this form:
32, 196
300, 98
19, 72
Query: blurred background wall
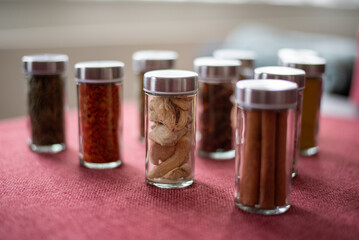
113, 30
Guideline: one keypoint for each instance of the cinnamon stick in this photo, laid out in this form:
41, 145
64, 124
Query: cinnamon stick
281, 149
249, 178
268, 157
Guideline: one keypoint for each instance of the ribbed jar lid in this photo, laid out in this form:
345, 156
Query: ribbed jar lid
45, 64
246, 57
99, 71
148, 60
312, 65
266, 94
170, 82
284, 73
209, 68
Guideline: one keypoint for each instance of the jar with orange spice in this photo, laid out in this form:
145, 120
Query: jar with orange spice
314, 68
99, 92
149, 60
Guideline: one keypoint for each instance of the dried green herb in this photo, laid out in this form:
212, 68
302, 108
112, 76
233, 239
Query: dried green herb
46, 109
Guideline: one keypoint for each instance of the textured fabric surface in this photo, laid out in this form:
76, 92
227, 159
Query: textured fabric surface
53, 197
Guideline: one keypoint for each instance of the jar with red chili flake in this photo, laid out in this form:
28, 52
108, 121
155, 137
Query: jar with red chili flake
99, 92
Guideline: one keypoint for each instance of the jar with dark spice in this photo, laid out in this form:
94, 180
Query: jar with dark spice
149, 60
99, 94
292, 75
314, 68
170, 123
216, 107
46, 75
246, 57
264, 145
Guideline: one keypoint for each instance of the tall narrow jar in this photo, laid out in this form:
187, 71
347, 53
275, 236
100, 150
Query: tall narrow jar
265, 125
99, 94
217, 79
246, 57
46, 75
149, 60
314, 68
293, 75
170, 124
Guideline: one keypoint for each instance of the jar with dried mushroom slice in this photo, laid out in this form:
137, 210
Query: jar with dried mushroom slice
170, 123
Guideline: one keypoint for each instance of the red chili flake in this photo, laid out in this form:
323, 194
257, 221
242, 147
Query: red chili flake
100, 122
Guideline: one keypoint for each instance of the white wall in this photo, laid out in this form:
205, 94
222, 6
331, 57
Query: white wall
114, 30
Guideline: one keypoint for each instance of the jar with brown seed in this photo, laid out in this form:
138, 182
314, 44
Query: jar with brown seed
149, 60
216, 106
292, 75
46, 75
170, 125
264, 145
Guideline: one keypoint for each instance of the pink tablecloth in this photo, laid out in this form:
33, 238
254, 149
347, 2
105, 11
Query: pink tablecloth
52, 197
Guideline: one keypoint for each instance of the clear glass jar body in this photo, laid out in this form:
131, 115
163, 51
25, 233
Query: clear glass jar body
170, 125
310, 116
297, 131
141, 106
216, 120
46, 113
100, 124
264, 142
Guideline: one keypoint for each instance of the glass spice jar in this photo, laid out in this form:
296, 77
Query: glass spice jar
265, 137
246, 57
314, 68
170, 125
292, 75
46, 75
217, 78
148, 60
99, 95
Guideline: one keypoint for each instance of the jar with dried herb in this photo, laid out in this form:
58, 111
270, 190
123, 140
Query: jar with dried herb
46, 75
265, 125
170, 113
217, 78
293, 75
149, 60
99, 94
246, 57
314, 68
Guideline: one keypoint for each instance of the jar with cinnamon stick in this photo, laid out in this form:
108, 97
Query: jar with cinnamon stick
149, 60
265, 142
46, 75
292, 75
217, 78
246, 57
170, 125
314, 68
99, 95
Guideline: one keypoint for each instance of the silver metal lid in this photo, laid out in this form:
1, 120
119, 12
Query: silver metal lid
170, 82
148, 60
246, 57
284, 73
214, 69
266, 94
313, 66
99, 71
45, 64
